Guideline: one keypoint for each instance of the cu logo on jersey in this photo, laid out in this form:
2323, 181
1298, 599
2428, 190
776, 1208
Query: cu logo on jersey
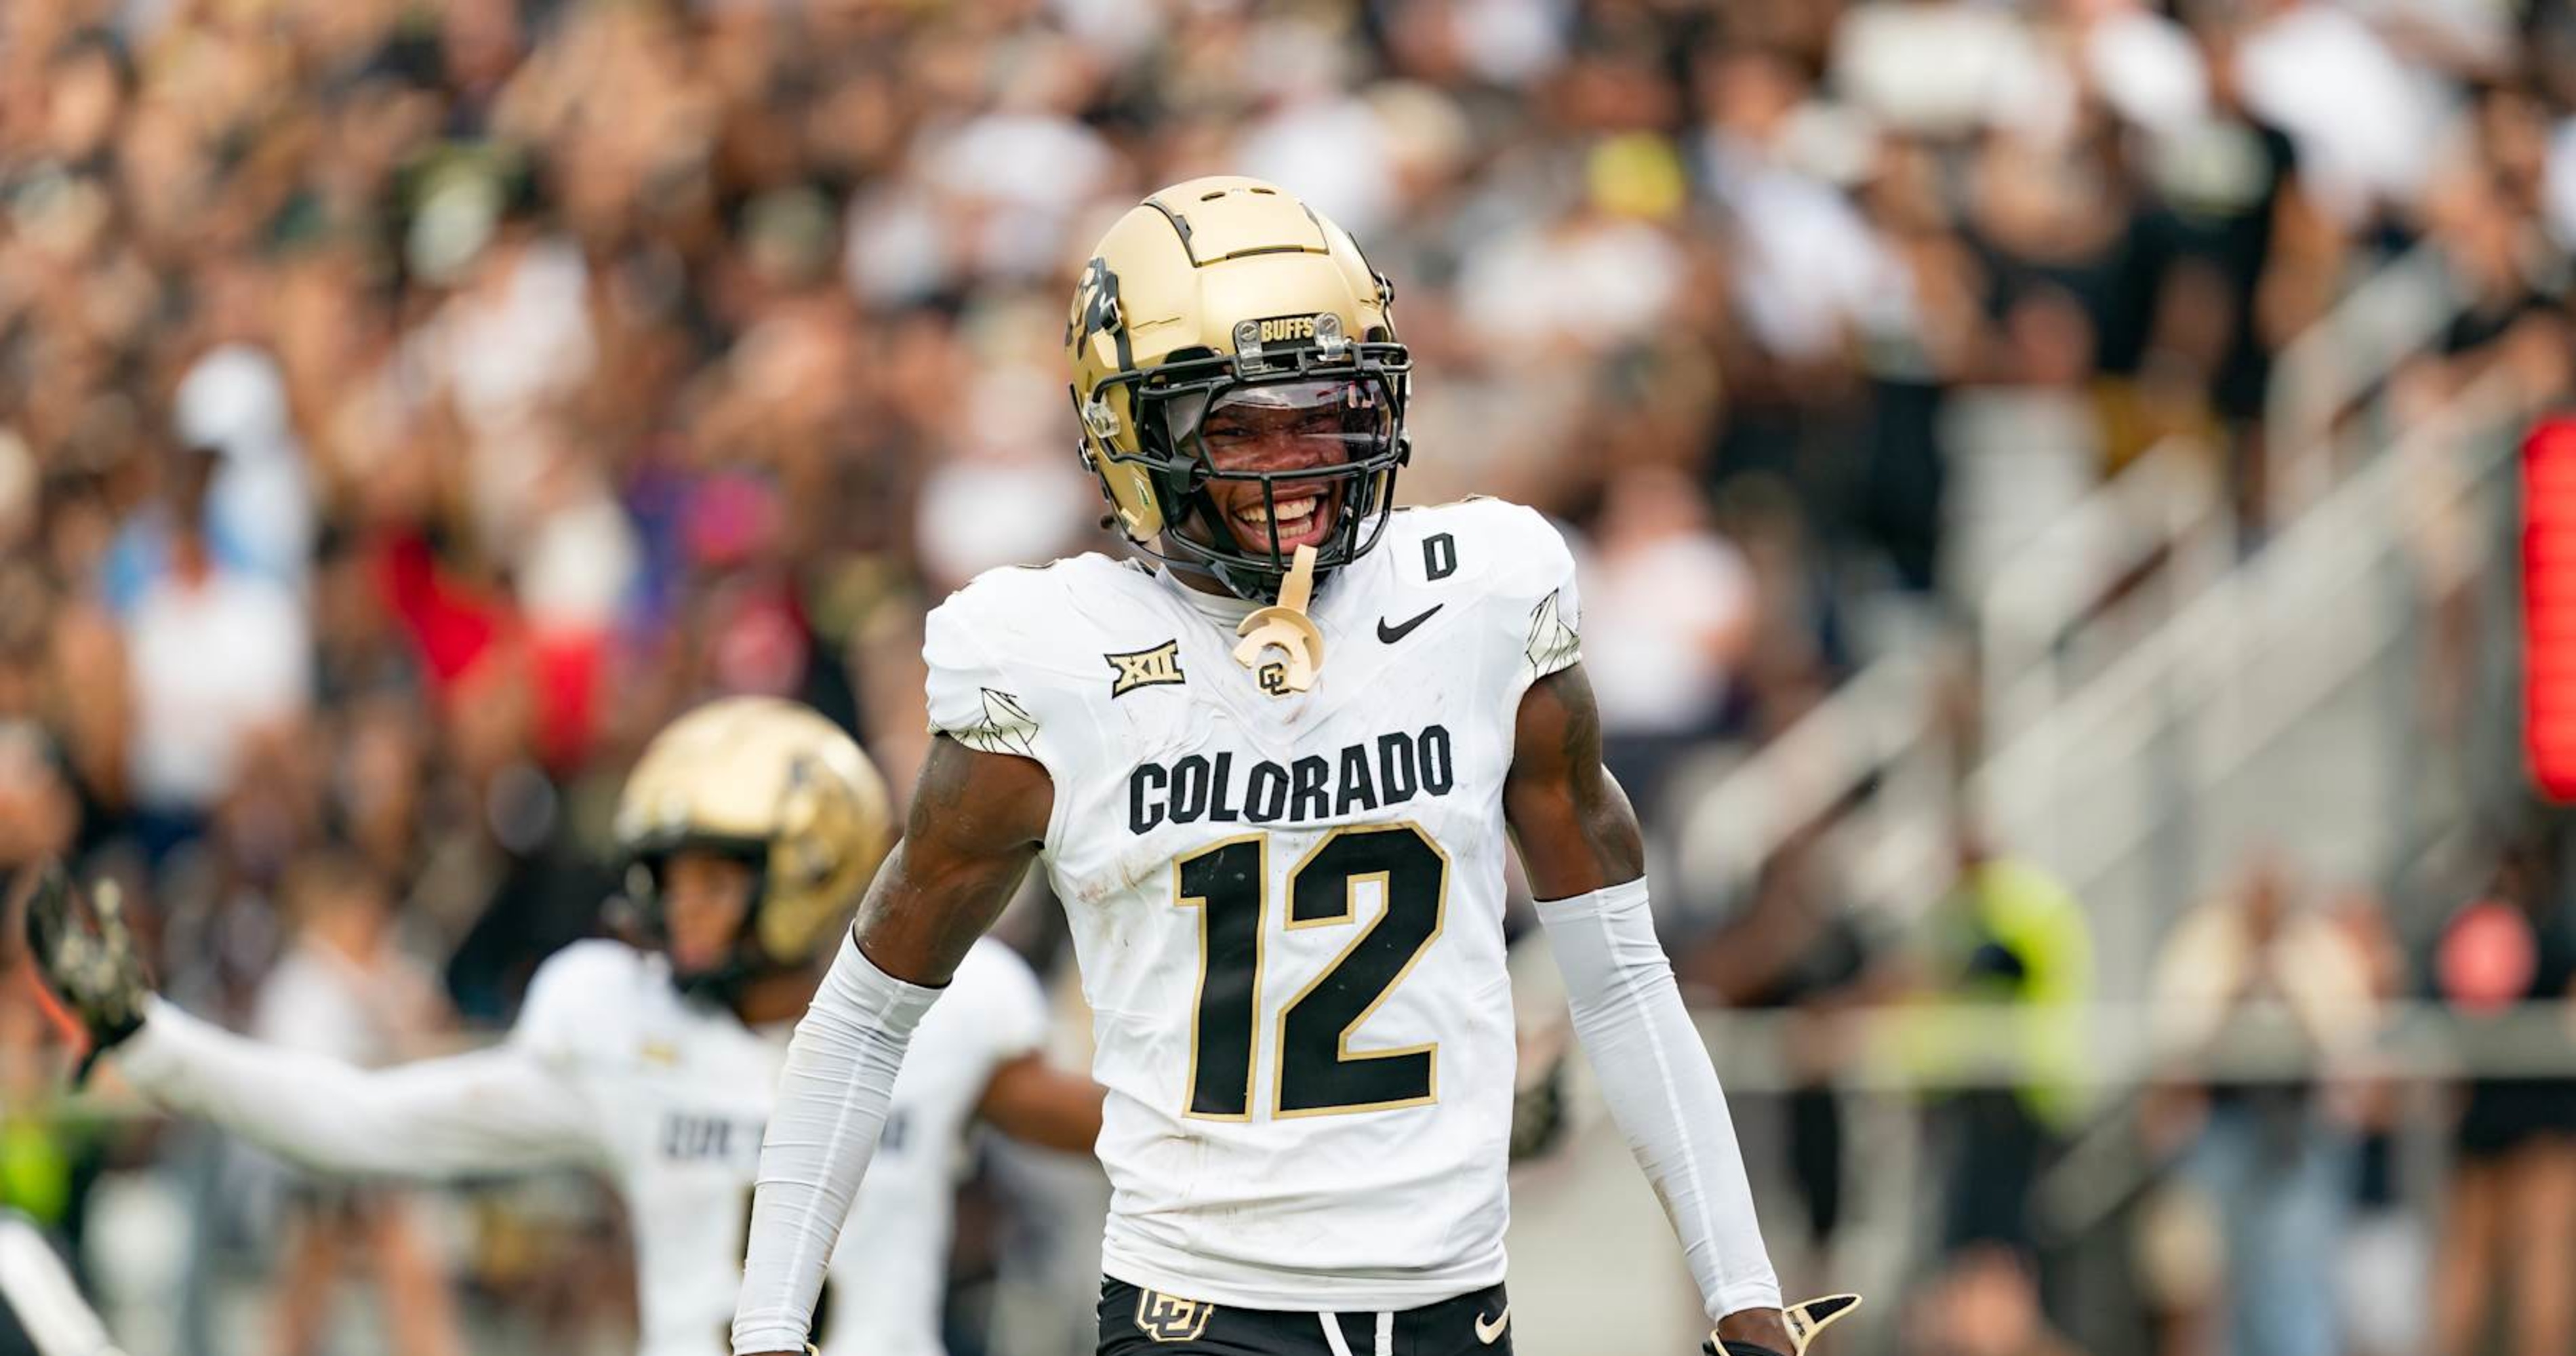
1169, 1318
1273, 678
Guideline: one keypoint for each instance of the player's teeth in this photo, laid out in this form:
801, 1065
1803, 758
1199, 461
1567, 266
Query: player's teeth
1294, 513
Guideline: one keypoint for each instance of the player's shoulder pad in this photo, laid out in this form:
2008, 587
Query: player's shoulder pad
1002, 595
584, 995
1507, 547
1017, 641
1515, 559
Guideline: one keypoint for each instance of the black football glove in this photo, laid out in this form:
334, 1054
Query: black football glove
1804, 1322
82, 948
1538, 1111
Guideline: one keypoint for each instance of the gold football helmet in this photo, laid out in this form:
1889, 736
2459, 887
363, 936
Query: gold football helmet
778, 786
1224, 292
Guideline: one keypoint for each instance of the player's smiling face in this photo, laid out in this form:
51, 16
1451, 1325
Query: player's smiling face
705, 896
1282, 430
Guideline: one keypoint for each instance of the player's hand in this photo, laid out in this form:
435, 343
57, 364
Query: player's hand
1799, 1323
87, 956
1538, 1110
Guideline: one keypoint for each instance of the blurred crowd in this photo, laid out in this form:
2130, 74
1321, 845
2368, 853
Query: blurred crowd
406, 406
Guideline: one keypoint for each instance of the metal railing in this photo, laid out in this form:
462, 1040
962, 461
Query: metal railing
1877, 725
2162, 518
2132, 789
2331, 366
2048, 624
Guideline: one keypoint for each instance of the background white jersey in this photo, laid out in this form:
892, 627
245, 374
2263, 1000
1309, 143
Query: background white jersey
1288, 909
609, 1068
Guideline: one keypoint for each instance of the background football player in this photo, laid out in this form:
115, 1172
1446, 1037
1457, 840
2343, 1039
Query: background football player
1270, 770
749, 826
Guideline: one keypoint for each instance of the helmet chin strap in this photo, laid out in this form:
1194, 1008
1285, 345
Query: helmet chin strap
1251, 585
1183, 564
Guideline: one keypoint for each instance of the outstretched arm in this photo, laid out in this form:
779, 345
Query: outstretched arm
498, 1110
976, 823
1585, 857
492, 1111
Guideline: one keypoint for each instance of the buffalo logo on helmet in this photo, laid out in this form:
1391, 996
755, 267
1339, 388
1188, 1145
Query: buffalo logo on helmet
1096, 298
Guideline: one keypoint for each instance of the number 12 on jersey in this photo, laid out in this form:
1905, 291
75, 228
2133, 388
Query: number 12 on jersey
1316, 1073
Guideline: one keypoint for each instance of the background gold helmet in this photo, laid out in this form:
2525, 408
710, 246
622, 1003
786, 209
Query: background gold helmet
777, 785
1215, 289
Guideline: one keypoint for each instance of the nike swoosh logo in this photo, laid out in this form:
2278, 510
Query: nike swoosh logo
1489, 1333
1388, 635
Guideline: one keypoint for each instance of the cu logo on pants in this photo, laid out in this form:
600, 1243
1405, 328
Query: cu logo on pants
1169, 1318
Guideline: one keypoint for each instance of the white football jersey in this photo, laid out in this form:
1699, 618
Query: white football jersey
679, 1094
1288, 908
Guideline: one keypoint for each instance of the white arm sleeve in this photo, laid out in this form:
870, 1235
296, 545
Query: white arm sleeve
497, 1110
832, 1099
1656, 1076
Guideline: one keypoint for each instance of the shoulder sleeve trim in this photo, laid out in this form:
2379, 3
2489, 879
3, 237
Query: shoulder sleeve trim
1005, 727
1552, 644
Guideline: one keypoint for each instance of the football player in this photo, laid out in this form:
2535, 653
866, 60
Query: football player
1269, 765
750, 826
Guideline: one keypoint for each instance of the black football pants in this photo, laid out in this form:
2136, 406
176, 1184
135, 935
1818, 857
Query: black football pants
1136, 1322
